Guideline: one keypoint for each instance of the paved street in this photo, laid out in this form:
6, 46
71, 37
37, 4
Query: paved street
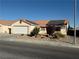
16, 50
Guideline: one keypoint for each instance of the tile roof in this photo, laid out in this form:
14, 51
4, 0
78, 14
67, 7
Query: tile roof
7, 22
41, 22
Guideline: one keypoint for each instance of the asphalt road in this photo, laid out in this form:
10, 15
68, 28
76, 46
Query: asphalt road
16, 50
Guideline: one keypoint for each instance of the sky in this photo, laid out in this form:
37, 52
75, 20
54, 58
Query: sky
39, 10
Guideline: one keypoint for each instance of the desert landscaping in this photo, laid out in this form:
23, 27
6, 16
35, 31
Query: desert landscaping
14, 37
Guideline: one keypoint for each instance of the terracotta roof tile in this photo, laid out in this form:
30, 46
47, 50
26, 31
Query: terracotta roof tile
41, 22
7, 22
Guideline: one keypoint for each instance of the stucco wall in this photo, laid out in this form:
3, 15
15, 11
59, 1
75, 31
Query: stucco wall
63, 30
31, 28
4, 29
43, 31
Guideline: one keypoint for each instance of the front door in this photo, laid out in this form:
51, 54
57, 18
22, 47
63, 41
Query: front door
9, 30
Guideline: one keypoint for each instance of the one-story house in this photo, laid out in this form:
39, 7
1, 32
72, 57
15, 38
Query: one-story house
17, 26
57, 25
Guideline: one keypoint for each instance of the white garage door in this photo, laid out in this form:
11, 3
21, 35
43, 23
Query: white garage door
20, 30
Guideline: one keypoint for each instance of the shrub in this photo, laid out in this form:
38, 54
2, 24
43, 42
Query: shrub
35, 32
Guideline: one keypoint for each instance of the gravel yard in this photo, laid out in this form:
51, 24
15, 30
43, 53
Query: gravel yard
67, 39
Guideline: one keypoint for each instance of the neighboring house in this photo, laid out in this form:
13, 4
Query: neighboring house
17, 26
46, 26
58, 25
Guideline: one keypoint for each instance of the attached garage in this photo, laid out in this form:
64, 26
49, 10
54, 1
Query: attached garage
20, 30
22, 27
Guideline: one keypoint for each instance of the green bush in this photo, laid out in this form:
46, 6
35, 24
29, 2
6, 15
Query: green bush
35, 32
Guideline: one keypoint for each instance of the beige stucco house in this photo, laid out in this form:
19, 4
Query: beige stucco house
17, 27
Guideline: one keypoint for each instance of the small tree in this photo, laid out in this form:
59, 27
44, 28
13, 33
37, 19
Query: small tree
35, 32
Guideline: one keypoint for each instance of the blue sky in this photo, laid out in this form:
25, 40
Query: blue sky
38, 10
